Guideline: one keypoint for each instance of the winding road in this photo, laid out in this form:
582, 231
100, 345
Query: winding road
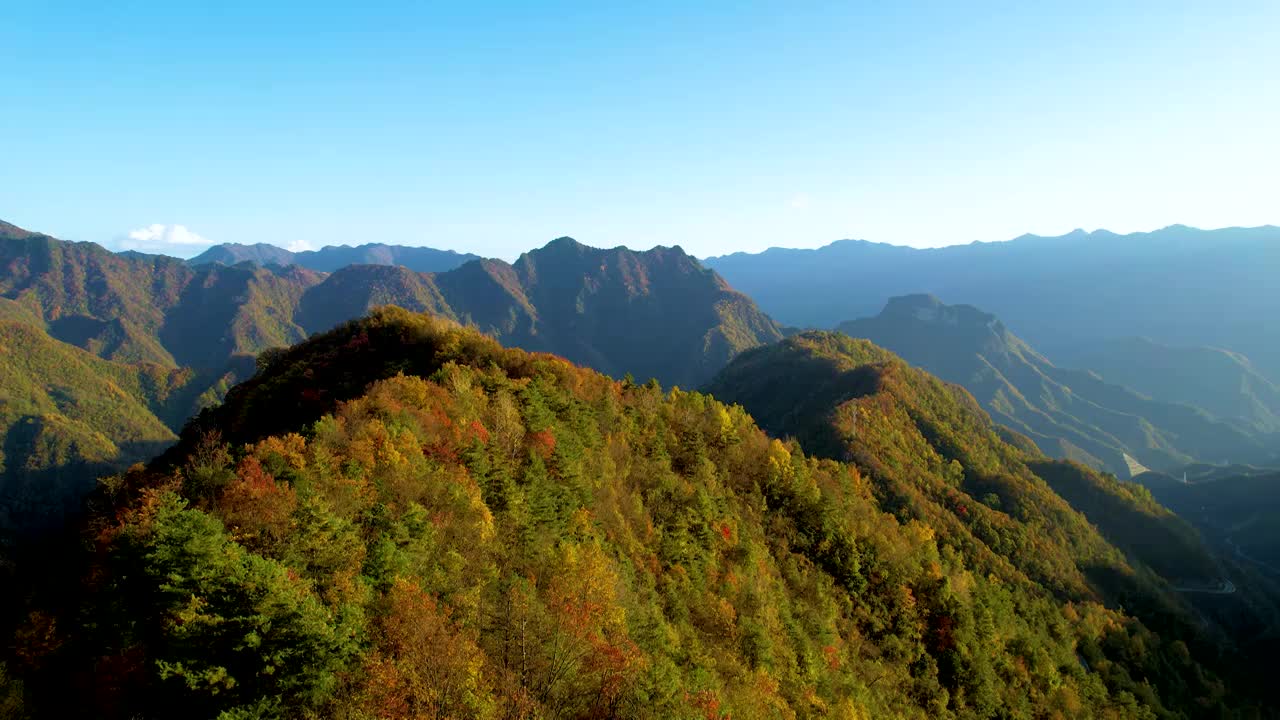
1226, 587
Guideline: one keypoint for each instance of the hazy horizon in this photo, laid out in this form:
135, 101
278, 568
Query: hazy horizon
186, 251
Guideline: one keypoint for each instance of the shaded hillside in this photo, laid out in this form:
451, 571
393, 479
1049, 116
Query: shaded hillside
1069, 413
1178, 285
149, 308
1222, 382
1241, 511
67, 416
335, 257
656, 313
652, 314
437, 526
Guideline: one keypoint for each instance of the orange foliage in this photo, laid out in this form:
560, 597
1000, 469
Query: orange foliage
254, 505
543, 442
707, 703
426, 666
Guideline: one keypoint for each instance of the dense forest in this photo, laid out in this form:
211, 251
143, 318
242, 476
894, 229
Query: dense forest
431, 525
104, 356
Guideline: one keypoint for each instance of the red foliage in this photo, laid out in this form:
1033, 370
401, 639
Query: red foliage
479, 431
543, 442
706, 702
254, 504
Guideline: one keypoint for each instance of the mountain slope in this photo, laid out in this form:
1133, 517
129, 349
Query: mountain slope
335, 257
444, 527
1242, 511
149, 308
932, 450
67, 416
1222, 382
653, 314
1068, 413
1178, 285
656, 313
931, 454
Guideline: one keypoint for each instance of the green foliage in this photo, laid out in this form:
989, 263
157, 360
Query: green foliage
235, 629
932, 456
461, 530
178, 335
12, 702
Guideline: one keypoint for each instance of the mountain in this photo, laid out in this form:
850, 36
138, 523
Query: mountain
236, 253
1178, 285
334, 257
1068, 413
1222, 382
67, 416
427, 524
931, 455
656, 313
653, 314
149, 308
929, 447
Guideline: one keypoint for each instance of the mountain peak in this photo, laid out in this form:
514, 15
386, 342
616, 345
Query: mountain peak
927, 308
564, 242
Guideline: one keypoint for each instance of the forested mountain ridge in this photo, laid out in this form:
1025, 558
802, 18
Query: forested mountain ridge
932, 455
150, 308
653, 314
1178, 285
1069, 413
335, 257
656, 313
435, 525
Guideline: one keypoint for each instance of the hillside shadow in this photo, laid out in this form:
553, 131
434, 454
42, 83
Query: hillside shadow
35, 500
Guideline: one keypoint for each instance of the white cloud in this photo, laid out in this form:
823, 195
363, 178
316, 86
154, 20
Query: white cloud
160, 238
299, 246
799, 201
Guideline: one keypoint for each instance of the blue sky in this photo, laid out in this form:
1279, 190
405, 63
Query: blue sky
495, 127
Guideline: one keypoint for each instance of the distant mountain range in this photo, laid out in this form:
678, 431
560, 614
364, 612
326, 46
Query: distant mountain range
333, 257
1069, 413
1178, 285
92, 322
